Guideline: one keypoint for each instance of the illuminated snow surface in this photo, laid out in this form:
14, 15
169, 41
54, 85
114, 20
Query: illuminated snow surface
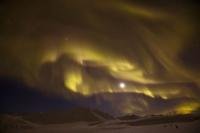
110, 126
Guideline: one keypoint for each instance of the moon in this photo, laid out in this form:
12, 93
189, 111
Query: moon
122, 85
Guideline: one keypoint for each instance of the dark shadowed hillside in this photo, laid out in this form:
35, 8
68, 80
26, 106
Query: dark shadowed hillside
67, 116
16, 96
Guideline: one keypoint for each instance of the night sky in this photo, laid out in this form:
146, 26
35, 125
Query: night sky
121, 56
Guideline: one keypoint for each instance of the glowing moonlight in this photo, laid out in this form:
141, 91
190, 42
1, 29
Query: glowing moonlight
122, 85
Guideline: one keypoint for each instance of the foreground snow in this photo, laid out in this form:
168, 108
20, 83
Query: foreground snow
111, 127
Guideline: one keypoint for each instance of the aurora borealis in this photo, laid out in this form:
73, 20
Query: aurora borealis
84, 48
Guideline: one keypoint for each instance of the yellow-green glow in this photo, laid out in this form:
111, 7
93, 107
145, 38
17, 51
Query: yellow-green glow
72, 80
145, 91
83, 52
187, 108
49, 56
123, 65
109, 46
136, 10
120, 67
117, 65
